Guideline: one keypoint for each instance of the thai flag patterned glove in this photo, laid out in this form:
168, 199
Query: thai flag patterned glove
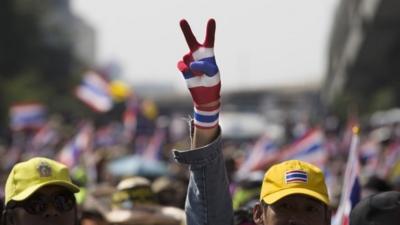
202, 77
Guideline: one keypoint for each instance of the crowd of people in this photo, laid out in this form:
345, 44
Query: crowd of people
125, 172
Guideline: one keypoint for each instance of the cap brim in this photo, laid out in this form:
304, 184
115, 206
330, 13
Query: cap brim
29, 191
272, 198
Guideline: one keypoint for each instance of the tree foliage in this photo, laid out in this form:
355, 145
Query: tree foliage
36, 60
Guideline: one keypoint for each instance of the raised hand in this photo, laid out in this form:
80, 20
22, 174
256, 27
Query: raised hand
202, 77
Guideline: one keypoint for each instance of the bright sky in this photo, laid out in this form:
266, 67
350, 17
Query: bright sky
259, 43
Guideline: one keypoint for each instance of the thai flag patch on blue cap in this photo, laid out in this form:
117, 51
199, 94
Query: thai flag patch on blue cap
296, 176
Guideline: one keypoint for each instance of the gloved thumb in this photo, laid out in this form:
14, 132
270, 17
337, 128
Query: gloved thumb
210, 69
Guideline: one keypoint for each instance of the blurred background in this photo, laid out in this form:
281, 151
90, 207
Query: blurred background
94, 85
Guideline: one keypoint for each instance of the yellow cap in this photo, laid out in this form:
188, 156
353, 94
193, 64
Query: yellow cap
149, 109
27, 177
119, 90
293, 177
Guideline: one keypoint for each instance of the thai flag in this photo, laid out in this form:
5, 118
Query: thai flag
95, 92
351, 190
263, 152
27, 116
296, 176
309, 148
73, 150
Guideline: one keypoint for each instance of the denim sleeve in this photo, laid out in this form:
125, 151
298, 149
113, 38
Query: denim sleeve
208, 201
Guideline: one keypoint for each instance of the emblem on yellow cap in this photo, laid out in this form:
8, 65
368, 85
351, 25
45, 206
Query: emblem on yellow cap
44, 169
296, 176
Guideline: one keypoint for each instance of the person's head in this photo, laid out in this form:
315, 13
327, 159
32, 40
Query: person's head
293, 192
133, 191
169, 191
373, 186
378, 209
39, 191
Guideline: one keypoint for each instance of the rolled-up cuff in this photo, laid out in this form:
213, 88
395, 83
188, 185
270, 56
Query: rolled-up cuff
199, 156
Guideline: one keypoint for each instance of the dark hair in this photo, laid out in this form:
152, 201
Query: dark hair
381, 208
377, 184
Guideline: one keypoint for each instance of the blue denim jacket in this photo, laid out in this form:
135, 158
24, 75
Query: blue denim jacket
208, 201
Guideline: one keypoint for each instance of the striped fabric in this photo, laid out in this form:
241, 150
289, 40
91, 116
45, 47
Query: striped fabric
202, 77
309, 148
27, 116
263, 152
206, 118
70, 154
351, 189
296, 176
94, 91
201, 73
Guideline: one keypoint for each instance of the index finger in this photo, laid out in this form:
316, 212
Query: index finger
209, 41
189, 36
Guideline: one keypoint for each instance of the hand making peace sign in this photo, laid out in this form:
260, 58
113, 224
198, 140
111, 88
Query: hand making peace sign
201, 74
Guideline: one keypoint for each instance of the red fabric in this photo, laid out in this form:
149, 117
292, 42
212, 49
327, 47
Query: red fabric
200, 95
205, 95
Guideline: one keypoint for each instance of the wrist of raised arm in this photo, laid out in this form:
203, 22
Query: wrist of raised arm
206, 116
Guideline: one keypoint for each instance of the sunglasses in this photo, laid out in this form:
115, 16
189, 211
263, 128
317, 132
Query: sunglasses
38, 203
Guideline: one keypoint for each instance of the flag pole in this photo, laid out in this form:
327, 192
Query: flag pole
351, 173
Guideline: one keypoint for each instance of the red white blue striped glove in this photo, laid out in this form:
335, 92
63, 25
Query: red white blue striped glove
201, 74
